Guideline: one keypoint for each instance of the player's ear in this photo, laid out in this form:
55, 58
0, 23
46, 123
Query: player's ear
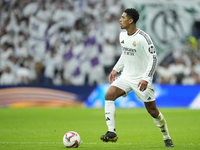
131, 21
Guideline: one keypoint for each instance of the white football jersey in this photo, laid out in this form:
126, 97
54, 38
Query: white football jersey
138, 59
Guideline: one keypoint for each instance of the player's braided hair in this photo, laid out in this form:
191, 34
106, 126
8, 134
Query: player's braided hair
133, 14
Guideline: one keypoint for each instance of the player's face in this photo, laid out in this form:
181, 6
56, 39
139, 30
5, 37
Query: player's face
124, 21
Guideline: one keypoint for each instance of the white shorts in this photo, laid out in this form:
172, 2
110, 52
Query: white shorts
125, 85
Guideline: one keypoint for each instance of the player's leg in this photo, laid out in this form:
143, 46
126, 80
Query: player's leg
118, 88
112, 93
148, 98
159, 121
110, 96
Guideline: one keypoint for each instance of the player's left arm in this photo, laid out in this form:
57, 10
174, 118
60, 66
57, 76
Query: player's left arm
150, 52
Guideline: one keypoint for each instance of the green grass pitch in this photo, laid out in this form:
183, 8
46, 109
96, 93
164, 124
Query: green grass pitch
44, 128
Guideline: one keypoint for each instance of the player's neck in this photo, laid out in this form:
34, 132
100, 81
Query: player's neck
131, 30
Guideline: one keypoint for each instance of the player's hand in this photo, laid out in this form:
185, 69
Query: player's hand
142, 85
112, 76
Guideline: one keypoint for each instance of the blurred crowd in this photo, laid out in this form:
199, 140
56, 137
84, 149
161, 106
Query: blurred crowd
182, 64
18, 65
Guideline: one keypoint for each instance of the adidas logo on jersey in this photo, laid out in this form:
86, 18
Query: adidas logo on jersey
122, 42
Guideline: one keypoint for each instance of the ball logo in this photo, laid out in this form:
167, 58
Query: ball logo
152, 49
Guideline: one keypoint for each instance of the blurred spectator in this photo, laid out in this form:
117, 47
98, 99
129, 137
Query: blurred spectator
196, 64
165, 76
38, 69
5, 52
30, 7
71, 16
30, 63
177, 69
52, 6
108, 56
21, 51
5, 37
25, 26
12, 62
14, 24
57, 79
7, 77
60, 13
5, 24
191, 79
43, 13
114, 7
23, 74
111, 25
50, 63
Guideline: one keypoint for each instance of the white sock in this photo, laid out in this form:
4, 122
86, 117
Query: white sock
161, 123
110, 114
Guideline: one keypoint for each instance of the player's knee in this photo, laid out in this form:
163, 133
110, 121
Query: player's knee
109, 96
153, 112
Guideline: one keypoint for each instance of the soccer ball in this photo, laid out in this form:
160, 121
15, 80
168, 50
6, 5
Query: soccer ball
71, 139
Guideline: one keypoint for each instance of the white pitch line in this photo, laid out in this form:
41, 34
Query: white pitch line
23, 143
86, 143
89, 143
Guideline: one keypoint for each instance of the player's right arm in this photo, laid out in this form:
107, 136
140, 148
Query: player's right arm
118, 66
112, 76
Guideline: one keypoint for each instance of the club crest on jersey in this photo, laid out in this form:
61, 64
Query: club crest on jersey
134, 43
152, 49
